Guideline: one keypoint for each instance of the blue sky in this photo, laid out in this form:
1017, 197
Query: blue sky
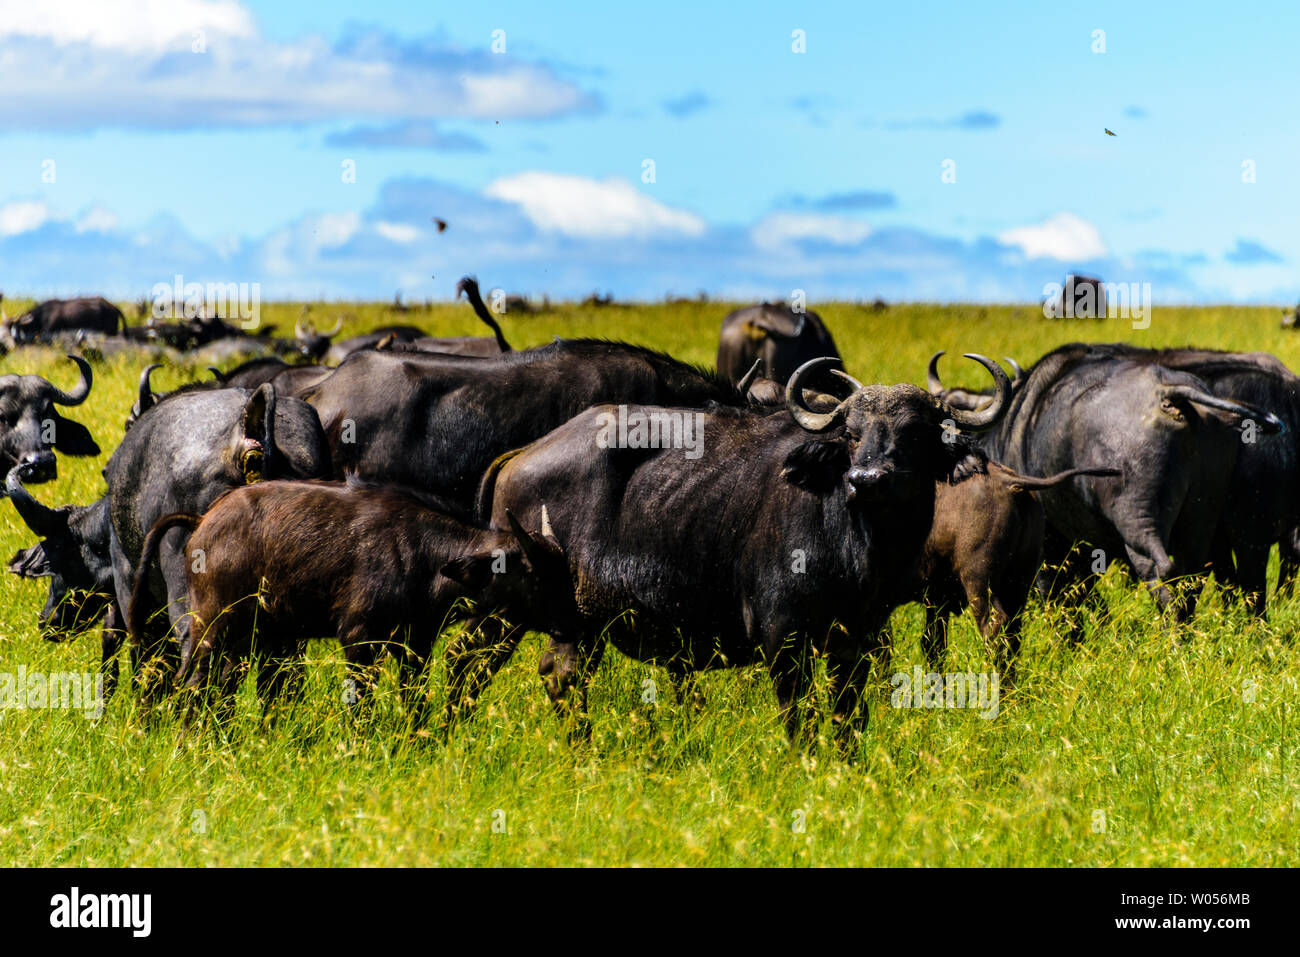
129, 155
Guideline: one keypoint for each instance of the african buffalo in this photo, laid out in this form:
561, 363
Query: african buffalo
436, 422
44, 320
339, 351
1176, 442
778, 336
32, 430
983, 552
72, 554
396, 566
180, 456
788, 535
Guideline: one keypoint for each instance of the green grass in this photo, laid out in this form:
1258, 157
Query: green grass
1187, 748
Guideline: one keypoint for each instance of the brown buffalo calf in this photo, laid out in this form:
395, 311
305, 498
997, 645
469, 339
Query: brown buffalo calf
984, 549
379, 567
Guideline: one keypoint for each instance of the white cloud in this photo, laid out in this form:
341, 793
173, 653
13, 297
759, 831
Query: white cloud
1064, 237
397, 232
130, 25
332, 230
84, 67
97, 219
778, 229
22, 216
590, 209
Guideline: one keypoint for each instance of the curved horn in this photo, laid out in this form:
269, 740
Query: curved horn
334, 330
217, 374
533, 552
933, 384
301, 325
986, 417
748, 378
41, 519
848, 378
146, 398
1017, 373
806, 417
82, 389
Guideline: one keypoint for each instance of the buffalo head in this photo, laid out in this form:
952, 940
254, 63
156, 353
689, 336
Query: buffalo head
311, 343
884, 443
72, 554
31, 430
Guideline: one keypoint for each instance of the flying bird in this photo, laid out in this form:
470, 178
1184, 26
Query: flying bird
442, 223
1109, 133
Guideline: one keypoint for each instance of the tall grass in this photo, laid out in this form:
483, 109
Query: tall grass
1136, 748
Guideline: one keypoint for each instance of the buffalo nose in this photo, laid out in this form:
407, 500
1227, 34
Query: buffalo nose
865, 478
38, 466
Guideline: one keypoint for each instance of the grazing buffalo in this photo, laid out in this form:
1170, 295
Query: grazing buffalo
72, 554
180, 456
984, 551
779, 337
397, 565
32, 430
436, 422
44, 320
1176, 442
789, 535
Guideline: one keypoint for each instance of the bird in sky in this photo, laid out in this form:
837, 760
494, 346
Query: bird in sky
442, 223
1109, 133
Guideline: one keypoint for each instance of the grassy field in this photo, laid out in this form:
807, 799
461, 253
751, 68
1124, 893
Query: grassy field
1129, 750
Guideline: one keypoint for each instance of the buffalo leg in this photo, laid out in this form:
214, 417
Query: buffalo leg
686, 684
1252, 573
848, 668
473, 658
566, 669
791, 673
934, 639
111, 638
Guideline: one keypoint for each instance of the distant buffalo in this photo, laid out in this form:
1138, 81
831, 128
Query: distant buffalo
778, 337
44, 320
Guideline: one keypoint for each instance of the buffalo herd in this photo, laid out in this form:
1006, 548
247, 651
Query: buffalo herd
775, 510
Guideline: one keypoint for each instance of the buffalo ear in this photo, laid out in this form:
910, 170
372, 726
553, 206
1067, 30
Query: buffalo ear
259, 423
73, 438
816, 466
473, 572
30, 563
964, 463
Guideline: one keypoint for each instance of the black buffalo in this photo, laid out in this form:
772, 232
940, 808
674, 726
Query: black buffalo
32, 430
72, 554
1176, 442
436, 422
790, 535
179, 457
44, 320
780, 338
